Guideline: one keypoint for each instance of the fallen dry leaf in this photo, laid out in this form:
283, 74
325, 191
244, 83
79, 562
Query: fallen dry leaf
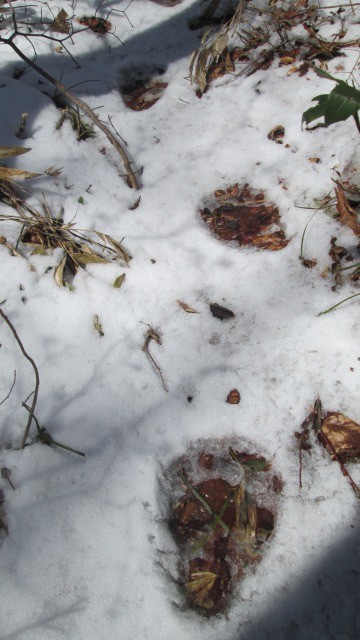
98, 25
233, 397
222, 313
303, 69
347, 214
285, 60
343, 435
308, 263
208, 583
277, 134
142, 95
60, 24
186, 307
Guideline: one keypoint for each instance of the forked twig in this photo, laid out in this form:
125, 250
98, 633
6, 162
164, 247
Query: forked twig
37, 377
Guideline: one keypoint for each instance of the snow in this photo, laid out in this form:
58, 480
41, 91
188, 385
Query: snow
89, 555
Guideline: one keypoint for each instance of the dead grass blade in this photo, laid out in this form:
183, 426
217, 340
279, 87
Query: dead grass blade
43, 232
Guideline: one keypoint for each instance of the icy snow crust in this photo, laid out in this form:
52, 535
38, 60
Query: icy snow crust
88, 555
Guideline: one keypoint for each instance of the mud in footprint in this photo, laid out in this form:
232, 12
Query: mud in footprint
243, 215
222, 515
142, 88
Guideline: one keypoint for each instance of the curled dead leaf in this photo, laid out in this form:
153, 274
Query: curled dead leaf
59, 273
222, 313
142, 95
347, 214
277, 134
343, 435
98, 25
186, 307
233, 397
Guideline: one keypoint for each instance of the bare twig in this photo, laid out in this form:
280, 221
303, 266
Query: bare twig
132, 180
36, 372
152, 335
5, 473
12, 386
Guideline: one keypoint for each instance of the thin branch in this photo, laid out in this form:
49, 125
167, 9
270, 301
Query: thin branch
36, 372
132, 180
12, 386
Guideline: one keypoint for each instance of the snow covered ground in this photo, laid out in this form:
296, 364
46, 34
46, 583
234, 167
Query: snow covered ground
88, 554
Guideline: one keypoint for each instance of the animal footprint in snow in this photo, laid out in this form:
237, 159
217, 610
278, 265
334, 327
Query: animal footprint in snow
222, 515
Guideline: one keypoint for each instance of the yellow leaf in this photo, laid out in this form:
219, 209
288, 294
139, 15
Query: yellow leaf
59, 273
88, 258
8, 175
200, 584
7, 152
119, 280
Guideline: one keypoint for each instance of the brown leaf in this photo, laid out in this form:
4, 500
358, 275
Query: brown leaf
191, 515
347, 214
98, 25
60, 25
343, 435
277, 133
186, 307
136, 204
233, 397
143, 95
303, 69
222, 313
308, 263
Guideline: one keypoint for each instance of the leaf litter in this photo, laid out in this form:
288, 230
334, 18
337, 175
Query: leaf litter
337, 433
141, 92
243, 215
223, 505
43, 232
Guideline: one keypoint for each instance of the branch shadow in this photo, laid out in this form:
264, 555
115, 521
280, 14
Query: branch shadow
167, 41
